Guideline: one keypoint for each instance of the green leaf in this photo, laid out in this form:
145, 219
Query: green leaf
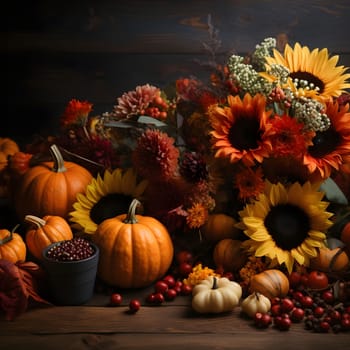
333, 192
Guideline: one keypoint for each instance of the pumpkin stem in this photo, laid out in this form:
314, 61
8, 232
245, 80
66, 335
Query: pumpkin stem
35, 220
9, 237
131, 216
215, 283
58, 162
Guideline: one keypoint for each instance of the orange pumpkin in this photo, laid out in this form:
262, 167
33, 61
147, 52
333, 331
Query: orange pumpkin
49, 229
330, 260
228, 255
12, 246
345, 234
8, 147
271, 283
135, 250
220, 226
50, 188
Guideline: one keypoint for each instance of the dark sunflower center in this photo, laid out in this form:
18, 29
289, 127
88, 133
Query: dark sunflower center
310, 78
245, 133
324, 142
288, 225
110, 206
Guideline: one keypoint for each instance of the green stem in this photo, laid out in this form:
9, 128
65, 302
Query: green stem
58, 162
215, 283
9, 237
131, 216
35, 220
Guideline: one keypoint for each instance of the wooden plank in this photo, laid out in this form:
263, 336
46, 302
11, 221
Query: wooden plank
177, 27
203, 341
151, 328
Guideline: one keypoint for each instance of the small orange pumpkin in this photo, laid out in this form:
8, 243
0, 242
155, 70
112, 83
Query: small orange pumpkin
50, 188
271, 283
330, 260
20, 162
220, 226
8, 147
12, 246
49, 229
135, 250
229, 255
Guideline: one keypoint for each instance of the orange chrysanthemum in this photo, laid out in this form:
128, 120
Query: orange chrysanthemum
287, 137
197, 215
331, 148
76, 112
239, 129
250, 183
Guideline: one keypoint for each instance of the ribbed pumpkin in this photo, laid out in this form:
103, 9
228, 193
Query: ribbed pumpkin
8, 147
44, 231
135, 250
228, 254
330, 260
50, 188
271, 283
220, 226
12, 246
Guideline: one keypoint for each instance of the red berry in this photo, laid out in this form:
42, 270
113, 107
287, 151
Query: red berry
345, 324
275, 310
134, 305
158, 298
170, 294
297, 314
184, 256
324, 326
328, 296
161, 287
170, 281
150, 298
294, 279
304, 279
298, 296
186, 289
262, 320
287, 305
275, 300
307, 301
184, 269
115, 299
284, 324
177, 287
319, 311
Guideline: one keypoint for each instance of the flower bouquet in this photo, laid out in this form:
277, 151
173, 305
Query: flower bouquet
251, 165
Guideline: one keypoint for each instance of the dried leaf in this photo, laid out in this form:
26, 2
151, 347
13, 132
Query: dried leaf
19, 287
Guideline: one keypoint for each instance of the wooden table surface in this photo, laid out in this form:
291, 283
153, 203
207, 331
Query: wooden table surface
172, 325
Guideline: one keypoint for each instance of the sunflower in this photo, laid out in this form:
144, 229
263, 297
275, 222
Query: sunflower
313, 73
239, 129
286, 224
331, 148
105, 198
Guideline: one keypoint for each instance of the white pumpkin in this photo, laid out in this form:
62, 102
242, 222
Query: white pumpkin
255, 302
216, 295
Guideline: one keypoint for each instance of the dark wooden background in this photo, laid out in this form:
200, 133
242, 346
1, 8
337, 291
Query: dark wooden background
54, 51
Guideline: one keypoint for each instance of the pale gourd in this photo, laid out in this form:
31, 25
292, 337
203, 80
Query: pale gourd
216, 295
255, 302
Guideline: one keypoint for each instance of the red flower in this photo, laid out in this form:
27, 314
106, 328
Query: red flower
76, 112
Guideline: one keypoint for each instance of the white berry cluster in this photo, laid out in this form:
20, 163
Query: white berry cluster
311, 113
